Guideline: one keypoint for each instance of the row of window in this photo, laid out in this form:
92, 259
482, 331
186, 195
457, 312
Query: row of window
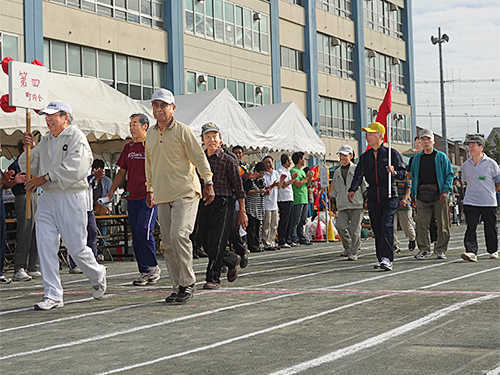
383, 16
335, 56
137, 78
400, 125
247, 94
336, 118
297, 2
229, 23
145, 12
382, 69
9, 46
342, 8
292, 59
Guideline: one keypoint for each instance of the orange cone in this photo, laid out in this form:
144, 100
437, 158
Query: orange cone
319, 232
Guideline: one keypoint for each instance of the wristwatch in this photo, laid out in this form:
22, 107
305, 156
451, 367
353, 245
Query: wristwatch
47, 178
209, 183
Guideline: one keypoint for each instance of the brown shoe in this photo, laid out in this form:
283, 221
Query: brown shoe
211, 286
232, 274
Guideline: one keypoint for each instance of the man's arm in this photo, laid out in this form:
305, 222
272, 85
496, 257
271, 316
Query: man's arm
306, 180
119, 178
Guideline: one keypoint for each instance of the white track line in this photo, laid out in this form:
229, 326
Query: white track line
495, 371
376, 340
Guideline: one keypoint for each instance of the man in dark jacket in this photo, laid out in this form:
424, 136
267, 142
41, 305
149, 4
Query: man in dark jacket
382, 208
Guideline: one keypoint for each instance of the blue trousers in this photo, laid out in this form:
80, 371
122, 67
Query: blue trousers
2, 232
382, 222
142, 221
299, 217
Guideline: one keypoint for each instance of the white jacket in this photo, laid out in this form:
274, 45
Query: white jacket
68, 167
340, 190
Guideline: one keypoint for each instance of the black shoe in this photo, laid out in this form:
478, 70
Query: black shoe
397, 250
185, 293
272, 248
412, 245
259, 250
305, 243
200, 253
244, 261
171, 298
195, 256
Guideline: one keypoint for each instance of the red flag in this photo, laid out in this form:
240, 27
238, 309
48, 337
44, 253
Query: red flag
384, 110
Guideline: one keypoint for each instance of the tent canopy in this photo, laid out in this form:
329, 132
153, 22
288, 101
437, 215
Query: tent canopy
286, 128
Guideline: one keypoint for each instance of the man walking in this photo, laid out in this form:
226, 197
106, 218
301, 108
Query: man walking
60, 163
285, 203
403, 215
172, 153
482, 175
432, 179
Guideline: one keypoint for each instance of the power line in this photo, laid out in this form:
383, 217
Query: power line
491, 80
486, 116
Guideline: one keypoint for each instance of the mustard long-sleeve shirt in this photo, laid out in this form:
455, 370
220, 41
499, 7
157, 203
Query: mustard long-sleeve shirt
171, 157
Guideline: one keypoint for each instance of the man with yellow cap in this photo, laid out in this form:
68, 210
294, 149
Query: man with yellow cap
374, 167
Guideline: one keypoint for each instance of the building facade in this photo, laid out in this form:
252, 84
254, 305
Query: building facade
334, 58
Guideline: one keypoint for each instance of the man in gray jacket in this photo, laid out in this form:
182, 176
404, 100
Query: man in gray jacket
347, 212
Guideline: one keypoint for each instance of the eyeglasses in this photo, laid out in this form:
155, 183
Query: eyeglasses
161, 105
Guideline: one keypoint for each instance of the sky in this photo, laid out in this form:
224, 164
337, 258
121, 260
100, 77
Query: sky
471, 62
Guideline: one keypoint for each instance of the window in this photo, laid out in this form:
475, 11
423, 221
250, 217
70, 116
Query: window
336, 118
145, 12
400, 126
383, 16
335, 57
292, 59
297, 2
381, 69
9, 46
137, 78
247, 94
342, 8
228, 23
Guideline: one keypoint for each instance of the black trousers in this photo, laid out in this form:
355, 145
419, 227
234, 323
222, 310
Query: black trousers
382, 222
215, 224
285, 223
473, 215
253, 233
234, 236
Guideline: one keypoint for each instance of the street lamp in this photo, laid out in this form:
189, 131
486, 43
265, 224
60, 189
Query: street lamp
439, 40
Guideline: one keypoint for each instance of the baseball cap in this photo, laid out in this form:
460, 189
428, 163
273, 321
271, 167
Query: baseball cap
164, 95
374, 128
56, 106
475, 139
426, 133
209, 127
345, 150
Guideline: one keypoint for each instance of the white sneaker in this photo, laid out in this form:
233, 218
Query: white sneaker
21, 275
441, 256
48, 304
386, 264
471, 257
4, 280
75, 270
99, 289
154, 274
422, 255
35, 274
285, 246
142, 279
352, 257
494, 255
100, 257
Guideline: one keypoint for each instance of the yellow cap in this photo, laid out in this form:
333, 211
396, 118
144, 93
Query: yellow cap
374, 128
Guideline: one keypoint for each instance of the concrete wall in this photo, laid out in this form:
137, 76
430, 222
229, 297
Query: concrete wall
11, 20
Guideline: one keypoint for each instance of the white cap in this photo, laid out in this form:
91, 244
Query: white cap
56, 106
345, 150
426, 133
163, 95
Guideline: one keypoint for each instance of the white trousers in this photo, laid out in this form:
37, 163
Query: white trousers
65, 215
269, 228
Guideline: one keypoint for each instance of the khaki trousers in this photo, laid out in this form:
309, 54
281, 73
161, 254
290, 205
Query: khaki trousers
177, 220
405, 221
423, 219
351, 242
269, 228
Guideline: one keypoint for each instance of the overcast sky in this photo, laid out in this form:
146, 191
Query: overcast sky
473, 53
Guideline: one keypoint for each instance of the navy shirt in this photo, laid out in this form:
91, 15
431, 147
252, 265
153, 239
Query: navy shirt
17, 189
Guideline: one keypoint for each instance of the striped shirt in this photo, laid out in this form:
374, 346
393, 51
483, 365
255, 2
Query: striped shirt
402, 185
255, 203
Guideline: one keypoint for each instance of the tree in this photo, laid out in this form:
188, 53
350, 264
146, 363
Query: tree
493, 151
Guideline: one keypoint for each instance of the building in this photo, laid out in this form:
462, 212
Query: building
334, 58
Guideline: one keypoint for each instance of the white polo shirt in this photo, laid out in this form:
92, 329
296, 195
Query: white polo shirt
286, 194
481, 179
271, 200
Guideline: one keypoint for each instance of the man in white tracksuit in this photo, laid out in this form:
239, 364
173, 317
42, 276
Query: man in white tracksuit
60, 164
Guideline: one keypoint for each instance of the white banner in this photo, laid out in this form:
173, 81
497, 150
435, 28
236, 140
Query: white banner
27, 85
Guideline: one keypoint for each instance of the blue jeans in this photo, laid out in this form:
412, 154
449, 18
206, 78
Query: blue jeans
142, 221
299, 216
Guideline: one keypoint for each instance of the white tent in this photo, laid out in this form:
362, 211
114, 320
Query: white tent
286, 128
101, 112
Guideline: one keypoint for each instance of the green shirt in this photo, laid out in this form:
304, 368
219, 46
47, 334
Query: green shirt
299, 193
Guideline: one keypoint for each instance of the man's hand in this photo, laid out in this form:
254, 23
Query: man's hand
150, 199
110, 195
402, 202
282, 178
443, 197
243, 219
99, 173
34, 183
208, 194
365, 205
28, 139
333, 207
390, 169
7, 175
20, 178
414, 202
294, 175
350, 197
310, 174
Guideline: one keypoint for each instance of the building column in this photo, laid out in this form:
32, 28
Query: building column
359, 72
174, 26
409, 65
33, 30
274, 17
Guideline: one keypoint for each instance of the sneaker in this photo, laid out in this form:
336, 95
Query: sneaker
285, 246
386, 264
441, 256
75, 270
35, 274
100, 257
232, 274
352, 257
397, 250
307, 243
412, 245
343, 254
185, 293
99, 289
272, 248
48, 304
21, 275
211, 286
244, 261
471, 257
494, 255
142, 280
154, 274
422, 255
294, 244
377, 266
4, 280
171, 298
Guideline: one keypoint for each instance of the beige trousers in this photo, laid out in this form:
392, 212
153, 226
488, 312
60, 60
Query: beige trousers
269, 228
423, 219
405, 221
177, 220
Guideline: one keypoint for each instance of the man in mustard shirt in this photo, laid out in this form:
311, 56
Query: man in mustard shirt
172, 153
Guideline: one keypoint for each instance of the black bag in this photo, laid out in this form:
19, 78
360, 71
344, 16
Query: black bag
428, 193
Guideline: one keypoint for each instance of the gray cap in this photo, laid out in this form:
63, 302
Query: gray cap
56, 106
164, 95
475, 139
345, 150
426, 133
209, 127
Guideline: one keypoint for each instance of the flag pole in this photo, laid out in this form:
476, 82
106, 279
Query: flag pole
389, 125
28, 164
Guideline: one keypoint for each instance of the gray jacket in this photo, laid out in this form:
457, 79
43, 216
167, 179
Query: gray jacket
340, 190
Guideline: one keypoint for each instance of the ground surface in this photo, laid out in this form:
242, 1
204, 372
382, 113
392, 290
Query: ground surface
305, 310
